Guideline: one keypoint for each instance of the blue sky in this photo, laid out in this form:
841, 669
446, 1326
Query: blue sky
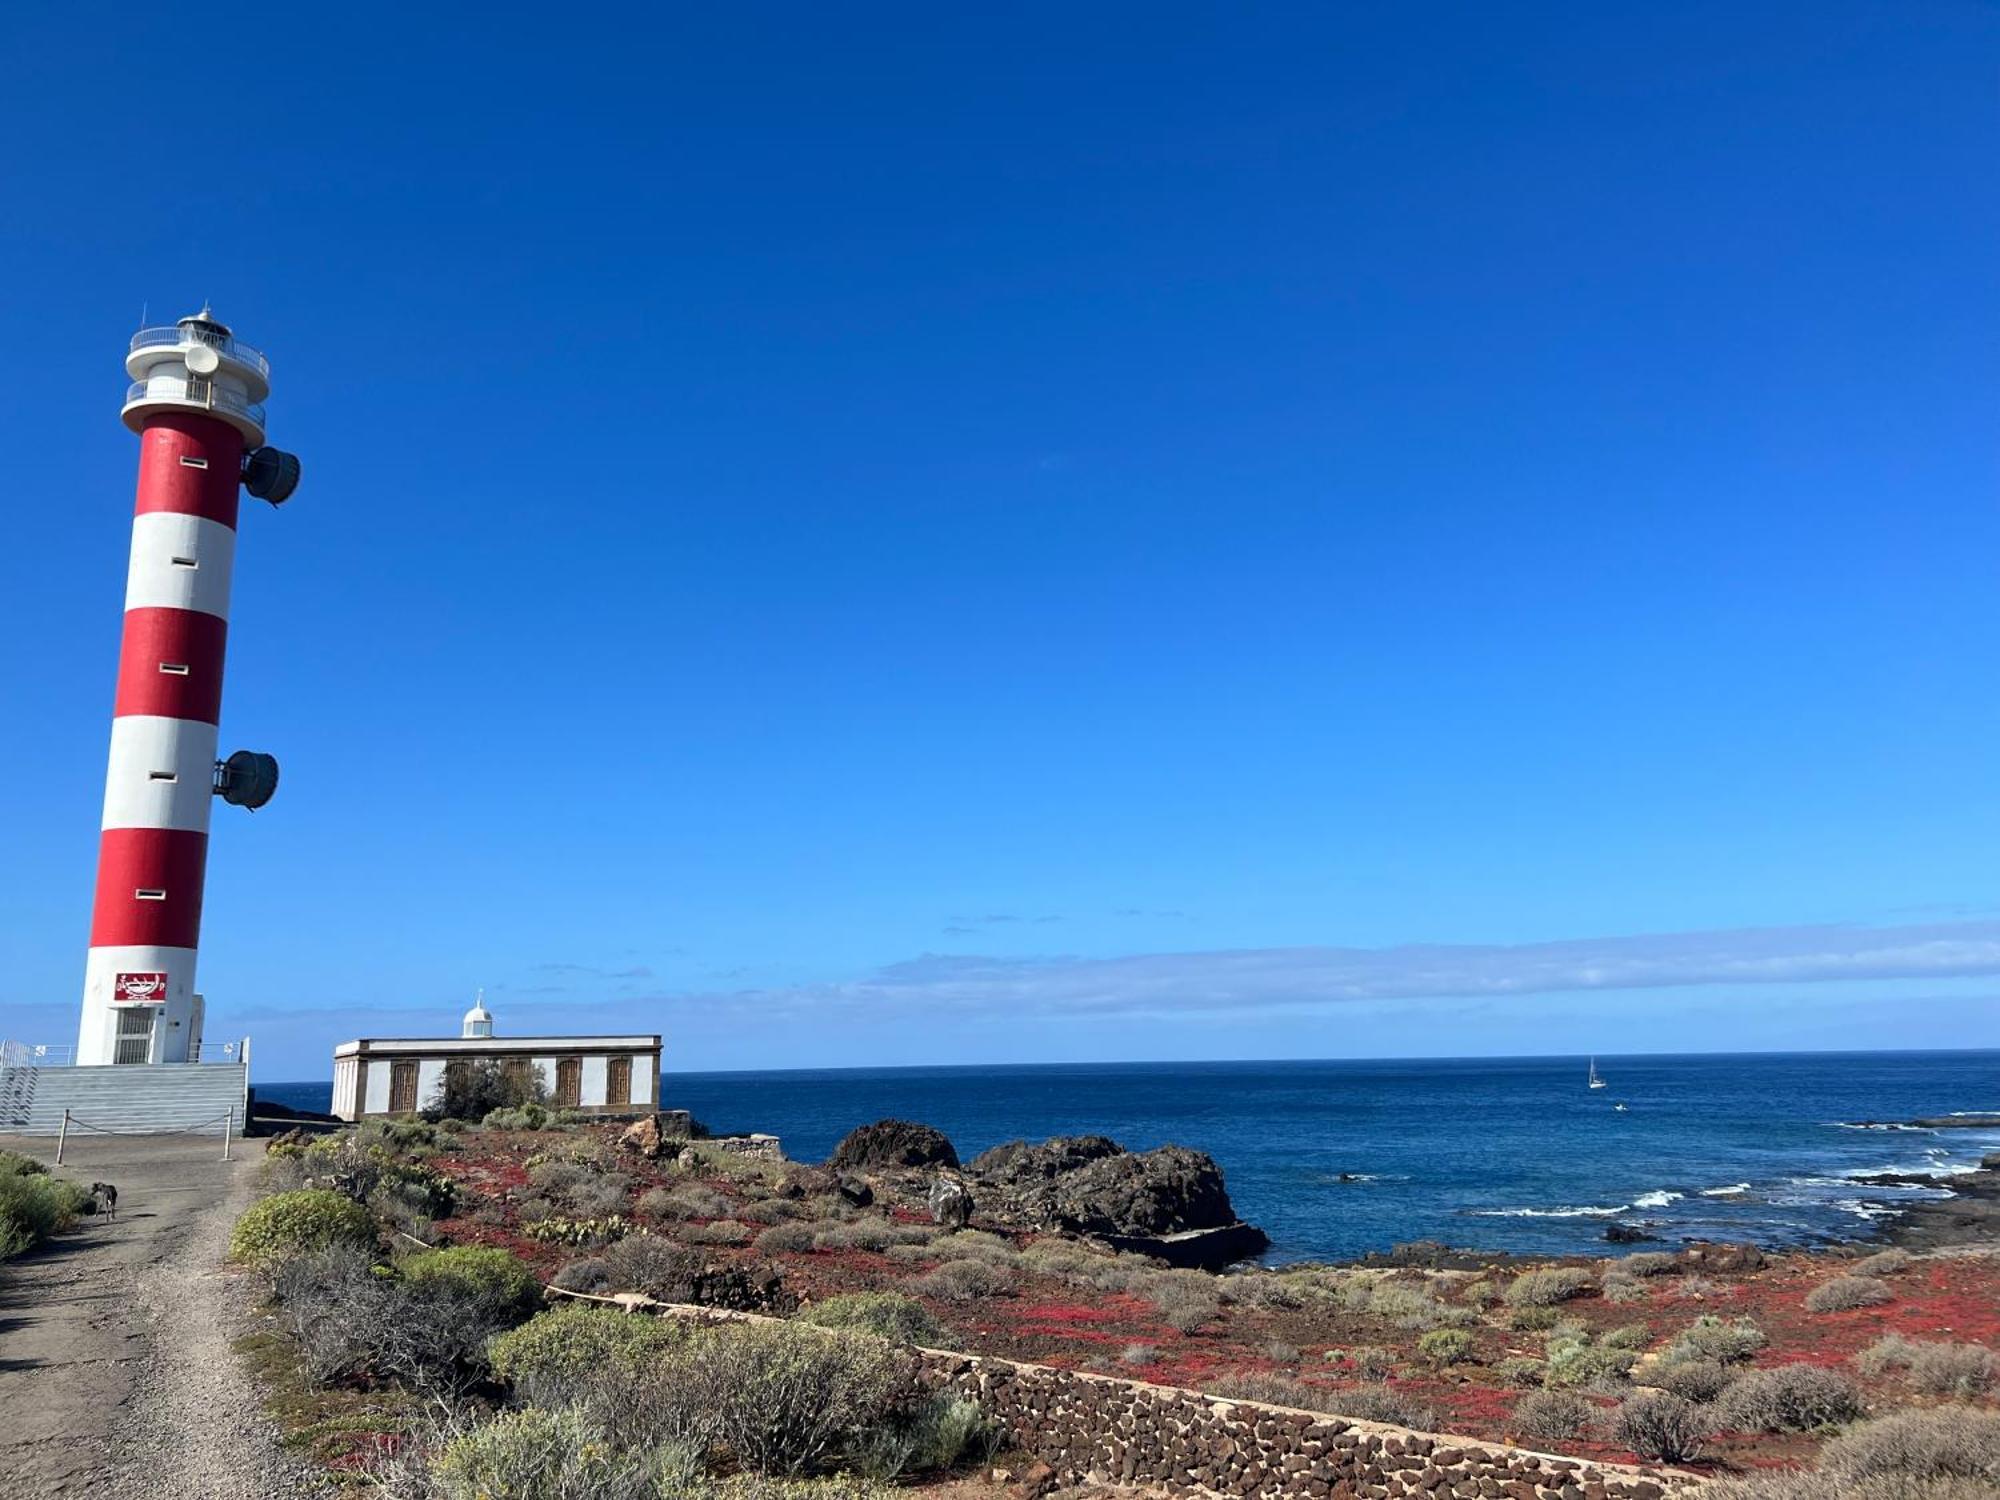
912, 535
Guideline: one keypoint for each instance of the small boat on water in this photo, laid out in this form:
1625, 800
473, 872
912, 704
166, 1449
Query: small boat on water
1595, 1081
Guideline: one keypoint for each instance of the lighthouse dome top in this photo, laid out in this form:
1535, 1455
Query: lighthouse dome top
478, 1020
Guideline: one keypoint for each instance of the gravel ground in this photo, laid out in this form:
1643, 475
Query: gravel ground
117, 1378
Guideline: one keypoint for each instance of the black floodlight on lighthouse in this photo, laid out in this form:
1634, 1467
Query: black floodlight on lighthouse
271, 474
248, 778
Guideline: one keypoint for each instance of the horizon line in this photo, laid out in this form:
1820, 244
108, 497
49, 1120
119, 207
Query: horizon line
1184, 1062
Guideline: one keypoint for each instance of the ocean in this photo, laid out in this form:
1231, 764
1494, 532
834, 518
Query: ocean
1334, 1159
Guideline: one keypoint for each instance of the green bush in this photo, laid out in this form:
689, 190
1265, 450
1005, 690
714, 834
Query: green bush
888, 1315
945, 1433
785, 1398
523, 1117
550, 1353
1725, 1341
1576, 1360
1548, 1285
294, 1223
497, 1279
582, 1233
14, 1164
542, 1454
1445, 1346
34, 1206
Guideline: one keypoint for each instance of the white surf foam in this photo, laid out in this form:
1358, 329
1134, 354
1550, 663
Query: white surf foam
1659, 1199
1735, 1189
1588, 1212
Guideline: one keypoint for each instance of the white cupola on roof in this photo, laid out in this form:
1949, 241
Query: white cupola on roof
478, 1020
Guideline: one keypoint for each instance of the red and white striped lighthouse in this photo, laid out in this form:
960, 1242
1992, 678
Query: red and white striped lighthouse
196, 403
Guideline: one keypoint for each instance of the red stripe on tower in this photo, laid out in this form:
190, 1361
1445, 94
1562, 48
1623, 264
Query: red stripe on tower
196, 405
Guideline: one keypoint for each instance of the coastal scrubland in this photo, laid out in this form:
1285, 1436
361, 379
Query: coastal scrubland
473, 1322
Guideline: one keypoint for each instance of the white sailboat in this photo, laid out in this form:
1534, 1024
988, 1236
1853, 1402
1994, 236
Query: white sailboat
1595, 1081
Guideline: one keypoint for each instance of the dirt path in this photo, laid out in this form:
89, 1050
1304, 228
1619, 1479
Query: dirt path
117, 1378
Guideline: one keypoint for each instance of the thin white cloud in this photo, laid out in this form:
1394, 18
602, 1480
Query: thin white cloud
1263, 979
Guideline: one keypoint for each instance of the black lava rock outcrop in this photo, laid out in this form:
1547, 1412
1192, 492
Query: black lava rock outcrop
892, 1143
1092, 1185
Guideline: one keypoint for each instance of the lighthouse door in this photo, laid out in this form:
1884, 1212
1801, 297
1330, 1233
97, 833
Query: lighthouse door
135, 1034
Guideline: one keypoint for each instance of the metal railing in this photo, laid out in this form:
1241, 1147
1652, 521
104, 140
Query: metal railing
37, 1054
173, 388
243, 354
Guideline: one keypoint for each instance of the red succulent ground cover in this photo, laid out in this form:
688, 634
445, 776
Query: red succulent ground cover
1052, 1321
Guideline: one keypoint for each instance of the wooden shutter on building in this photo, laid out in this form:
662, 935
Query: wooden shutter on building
618, 1082
402, 1088
569, 1083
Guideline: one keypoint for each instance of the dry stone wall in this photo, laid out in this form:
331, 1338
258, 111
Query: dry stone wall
1104, 1430
1123, 1432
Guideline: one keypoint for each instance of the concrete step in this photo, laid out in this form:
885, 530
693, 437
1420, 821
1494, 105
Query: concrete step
135, 1099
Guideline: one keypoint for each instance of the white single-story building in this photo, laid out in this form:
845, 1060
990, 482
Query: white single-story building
400, 1075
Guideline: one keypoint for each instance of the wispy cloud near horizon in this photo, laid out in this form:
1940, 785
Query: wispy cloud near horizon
1264, 979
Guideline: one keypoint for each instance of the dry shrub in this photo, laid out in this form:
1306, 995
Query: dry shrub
658, 1267
965, 1281
1890, 1352
1954, 1369
1548, 1285
888, 1315
786, 1239
1551, 1416
1624, 1289
1413, 1307
965, 1244
1381, 1403
1789, 1398
1272, 1390
580, 1190
770, 1211
1693, 1379
1056, 1256
1186, 1299
689, 1201
1647, 1263
1793, 1485
1885, 1263
719, 1232
1662, 1427
1947, 1442
1845, 1293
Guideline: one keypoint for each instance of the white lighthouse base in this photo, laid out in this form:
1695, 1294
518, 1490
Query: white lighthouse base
111, 1032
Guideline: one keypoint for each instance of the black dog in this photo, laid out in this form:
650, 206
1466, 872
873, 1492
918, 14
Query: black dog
107, 1198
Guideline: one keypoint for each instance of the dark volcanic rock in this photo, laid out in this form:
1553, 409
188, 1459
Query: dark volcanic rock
892, 1143
1091, 1185
1626, 1234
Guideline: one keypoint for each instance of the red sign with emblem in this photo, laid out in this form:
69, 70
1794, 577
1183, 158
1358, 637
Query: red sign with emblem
139, 989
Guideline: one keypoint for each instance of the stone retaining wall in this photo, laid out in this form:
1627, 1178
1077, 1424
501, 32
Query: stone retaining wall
1105, 1430
1125, 1432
